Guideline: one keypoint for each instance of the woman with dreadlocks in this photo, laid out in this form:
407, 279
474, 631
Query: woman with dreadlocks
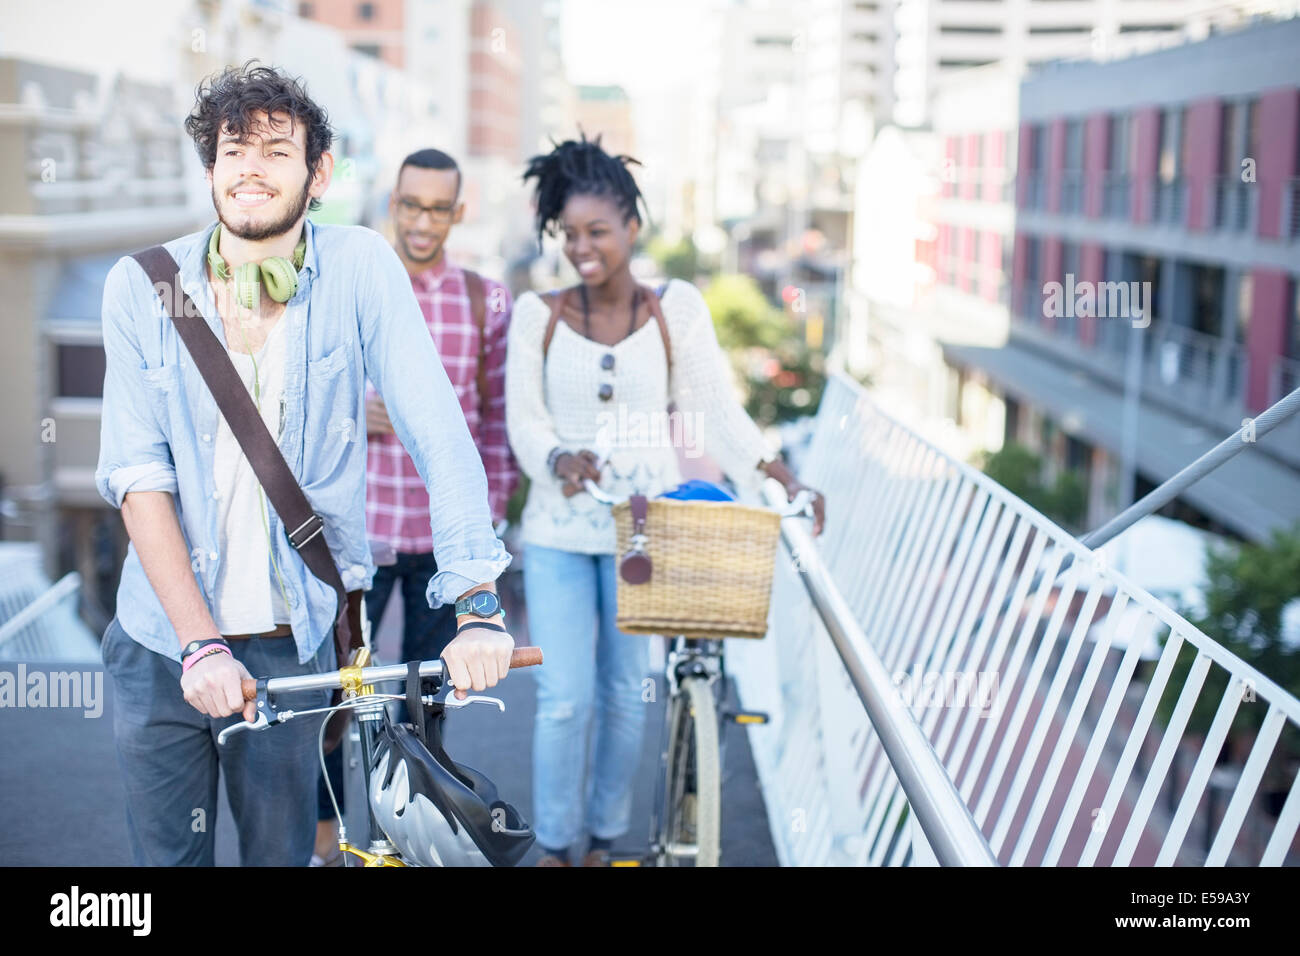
578, 384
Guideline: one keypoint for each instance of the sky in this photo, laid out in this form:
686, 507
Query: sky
645, 46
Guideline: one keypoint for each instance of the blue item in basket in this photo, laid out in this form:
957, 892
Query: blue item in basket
696, 490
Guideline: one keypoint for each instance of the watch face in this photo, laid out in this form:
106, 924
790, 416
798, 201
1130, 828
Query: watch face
484, 603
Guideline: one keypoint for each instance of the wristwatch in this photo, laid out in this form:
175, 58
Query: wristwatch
480, 604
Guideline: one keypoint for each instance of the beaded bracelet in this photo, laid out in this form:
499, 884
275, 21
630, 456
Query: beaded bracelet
196, 657
483, 624
552, 458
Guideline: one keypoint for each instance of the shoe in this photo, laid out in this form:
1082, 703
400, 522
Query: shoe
596, 858
335, 860
550, 859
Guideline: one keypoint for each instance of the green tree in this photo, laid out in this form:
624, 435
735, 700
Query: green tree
742, 315
784, 378
679, 260
1246, 590
1020, 471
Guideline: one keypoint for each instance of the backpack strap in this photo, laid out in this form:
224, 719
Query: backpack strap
652, 299
478, 307
558, 299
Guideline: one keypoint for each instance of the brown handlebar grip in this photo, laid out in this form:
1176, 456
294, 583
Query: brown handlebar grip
519, 657
525, 657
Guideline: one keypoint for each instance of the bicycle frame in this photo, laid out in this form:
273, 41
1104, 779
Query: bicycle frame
685, 657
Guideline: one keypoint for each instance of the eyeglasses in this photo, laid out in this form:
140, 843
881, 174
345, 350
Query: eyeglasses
606, 391
406, 209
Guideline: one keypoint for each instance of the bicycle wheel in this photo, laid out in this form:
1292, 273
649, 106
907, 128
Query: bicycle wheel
691, 821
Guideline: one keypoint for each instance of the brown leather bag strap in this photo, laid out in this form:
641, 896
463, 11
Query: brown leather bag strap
652, 299
478, 307
558, 298
303, 526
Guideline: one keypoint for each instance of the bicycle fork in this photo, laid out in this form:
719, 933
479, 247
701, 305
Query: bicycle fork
381, 851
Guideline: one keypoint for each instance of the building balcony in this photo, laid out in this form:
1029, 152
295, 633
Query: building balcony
1285, 378
1195, 373
1291, 210
1116, 196
1072, 192
1234, 204
1035, 190
1171, 202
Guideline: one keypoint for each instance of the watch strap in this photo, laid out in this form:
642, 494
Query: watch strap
466, 605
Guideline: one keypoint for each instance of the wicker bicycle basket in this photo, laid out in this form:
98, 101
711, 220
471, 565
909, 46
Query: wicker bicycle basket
712, 569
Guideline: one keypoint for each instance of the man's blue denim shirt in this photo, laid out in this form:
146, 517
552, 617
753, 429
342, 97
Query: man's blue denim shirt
354, 316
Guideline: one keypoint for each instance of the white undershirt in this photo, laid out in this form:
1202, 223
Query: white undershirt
248, 599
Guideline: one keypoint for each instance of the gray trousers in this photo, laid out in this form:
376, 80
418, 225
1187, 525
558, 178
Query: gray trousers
170, 759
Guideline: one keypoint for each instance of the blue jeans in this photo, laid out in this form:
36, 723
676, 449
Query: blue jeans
169, 758
593, 674
425, 633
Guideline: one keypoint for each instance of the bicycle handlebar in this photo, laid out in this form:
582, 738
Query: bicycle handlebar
800, 505
519, 657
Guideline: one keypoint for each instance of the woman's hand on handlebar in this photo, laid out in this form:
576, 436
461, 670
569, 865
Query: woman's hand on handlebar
818, 503
213, 686
573, 469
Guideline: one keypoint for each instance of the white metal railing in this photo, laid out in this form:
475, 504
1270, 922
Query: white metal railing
1065, 744
39, 621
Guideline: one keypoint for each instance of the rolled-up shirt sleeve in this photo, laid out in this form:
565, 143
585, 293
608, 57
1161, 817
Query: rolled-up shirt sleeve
403, 363
134, 454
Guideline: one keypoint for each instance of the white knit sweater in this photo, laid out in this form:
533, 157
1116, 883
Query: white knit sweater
562, 408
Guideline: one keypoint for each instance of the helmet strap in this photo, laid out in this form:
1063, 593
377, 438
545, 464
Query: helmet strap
414, 701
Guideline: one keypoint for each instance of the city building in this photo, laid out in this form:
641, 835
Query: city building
1145, 203
936, 38
98, 166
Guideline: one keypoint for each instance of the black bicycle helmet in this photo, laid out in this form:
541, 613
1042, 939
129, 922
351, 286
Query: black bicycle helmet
435, 811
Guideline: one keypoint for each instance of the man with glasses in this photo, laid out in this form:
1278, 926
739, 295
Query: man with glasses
468, 317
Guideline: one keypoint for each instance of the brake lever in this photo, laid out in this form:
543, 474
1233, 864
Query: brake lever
801, 506
264, 707
260, 724
450, 701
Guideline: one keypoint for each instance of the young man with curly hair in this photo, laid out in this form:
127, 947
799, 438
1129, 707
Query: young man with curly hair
210, 561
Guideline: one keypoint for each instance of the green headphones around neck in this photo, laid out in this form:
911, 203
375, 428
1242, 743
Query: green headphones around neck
279, 274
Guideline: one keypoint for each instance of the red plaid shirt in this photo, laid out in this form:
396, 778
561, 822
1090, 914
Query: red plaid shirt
397, 502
